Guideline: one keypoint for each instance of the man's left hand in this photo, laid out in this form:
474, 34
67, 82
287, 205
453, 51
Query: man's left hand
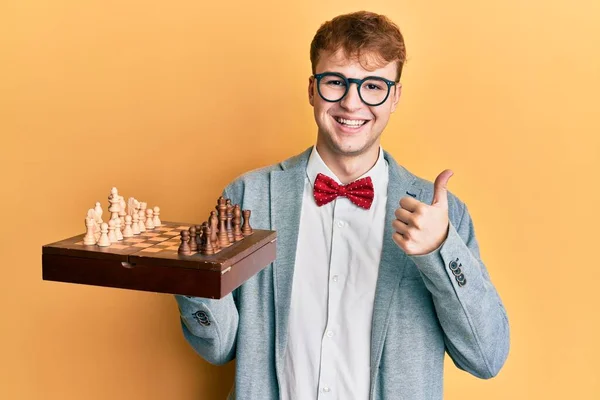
421, 228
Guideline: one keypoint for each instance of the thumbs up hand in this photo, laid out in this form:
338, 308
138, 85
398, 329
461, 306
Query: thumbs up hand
421, 228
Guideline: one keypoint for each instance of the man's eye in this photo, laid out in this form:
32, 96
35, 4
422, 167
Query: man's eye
373, 86
335, 83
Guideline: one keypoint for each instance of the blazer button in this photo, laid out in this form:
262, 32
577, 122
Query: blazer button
457, 271
453, 265
463, 282
460, 278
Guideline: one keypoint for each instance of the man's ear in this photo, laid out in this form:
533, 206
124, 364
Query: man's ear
311, 90
396, 96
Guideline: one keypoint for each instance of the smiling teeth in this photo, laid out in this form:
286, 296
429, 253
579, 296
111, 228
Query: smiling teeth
351, 122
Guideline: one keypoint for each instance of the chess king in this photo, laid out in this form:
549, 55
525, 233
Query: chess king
378, 271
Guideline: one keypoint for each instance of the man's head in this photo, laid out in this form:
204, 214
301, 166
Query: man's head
355, 46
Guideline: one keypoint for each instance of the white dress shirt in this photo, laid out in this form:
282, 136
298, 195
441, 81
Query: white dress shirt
335, 275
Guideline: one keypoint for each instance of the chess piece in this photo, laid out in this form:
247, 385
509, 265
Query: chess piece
135, 226
229, 214
104, 241
114, 207
237, 223
214, 224
223, 237
111, 231
246, 228
149, 224
122, 211
128, 231
141, 218
193, 244
98, 211
132, 206
199, 233
157, 222
90, 223
184, 247
207, 247
118, 232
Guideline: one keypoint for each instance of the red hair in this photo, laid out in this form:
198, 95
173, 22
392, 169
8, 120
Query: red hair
361, 35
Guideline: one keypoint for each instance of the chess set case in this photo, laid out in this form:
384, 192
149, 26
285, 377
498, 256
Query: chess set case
148, 267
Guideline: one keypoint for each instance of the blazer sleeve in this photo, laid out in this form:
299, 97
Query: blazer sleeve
210, 326
470, 311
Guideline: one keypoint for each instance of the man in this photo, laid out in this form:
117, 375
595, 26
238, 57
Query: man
377, 272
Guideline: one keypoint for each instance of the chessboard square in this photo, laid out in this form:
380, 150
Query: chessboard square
151, 234
134, 240
163, 228
143, 245
152, 250
119, 246
158, 239
182, 227
175, 248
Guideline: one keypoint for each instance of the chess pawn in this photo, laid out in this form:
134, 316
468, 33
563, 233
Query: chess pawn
199, 236
112, 236
149, 224
128, 231
157, 222
246, 228
104, 241
90, 239
184, 247
135, 227
237, 223
193, 244
118, 232
141, 218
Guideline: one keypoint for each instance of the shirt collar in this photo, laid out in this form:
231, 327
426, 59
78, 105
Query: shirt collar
378, 173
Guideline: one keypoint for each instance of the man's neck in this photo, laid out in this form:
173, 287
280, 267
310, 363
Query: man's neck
349, 168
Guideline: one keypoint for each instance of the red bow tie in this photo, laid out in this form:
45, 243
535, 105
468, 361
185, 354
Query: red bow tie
360, 192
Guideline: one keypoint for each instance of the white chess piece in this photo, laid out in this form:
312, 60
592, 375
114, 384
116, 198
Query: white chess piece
122, 212
98, 211
128, 231
118, 232
157, 222
111, 231
141, 218
90, 223
113, 207
135, 227
149, 223
104, 241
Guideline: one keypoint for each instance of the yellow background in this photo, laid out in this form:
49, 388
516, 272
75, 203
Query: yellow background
170, 100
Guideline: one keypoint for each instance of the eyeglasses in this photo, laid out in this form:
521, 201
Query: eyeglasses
372, 90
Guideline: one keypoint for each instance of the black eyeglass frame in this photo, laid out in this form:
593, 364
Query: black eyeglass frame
358, 82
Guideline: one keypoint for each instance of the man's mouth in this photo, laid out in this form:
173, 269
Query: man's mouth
352, 123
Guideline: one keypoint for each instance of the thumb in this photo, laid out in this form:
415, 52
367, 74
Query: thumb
440, 191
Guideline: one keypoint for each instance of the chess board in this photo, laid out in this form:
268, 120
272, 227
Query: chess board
150, 262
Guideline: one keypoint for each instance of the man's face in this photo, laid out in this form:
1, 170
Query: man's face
349, 127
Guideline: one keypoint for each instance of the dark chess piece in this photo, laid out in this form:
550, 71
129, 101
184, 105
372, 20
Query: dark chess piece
207, 247
184, 247
223, 237
237, 223
229, 221
193, 244
246, 228
214, 228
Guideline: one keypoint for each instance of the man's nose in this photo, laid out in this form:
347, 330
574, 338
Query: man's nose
351, 100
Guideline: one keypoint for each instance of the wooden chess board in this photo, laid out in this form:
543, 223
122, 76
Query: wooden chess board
150, 262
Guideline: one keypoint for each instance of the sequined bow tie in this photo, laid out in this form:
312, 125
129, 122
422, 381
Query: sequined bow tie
360, 192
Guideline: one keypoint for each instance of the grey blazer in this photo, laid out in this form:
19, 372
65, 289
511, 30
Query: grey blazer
420, 310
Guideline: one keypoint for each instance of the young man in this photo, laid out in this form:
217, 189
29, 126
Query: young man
377, 272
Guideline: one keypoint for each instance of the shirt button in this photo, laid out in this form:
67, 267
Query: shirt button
326, 389
329, 333
335, 278
340, 224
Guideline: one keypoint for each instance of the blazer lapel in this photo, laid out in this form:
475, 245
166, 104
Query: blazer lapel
287, 188
393, 260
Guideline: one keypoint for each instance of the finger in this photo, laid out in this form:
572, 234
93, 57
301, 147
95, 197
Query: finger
400, 240
440, 187
404, 215
401, 228
409, 203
